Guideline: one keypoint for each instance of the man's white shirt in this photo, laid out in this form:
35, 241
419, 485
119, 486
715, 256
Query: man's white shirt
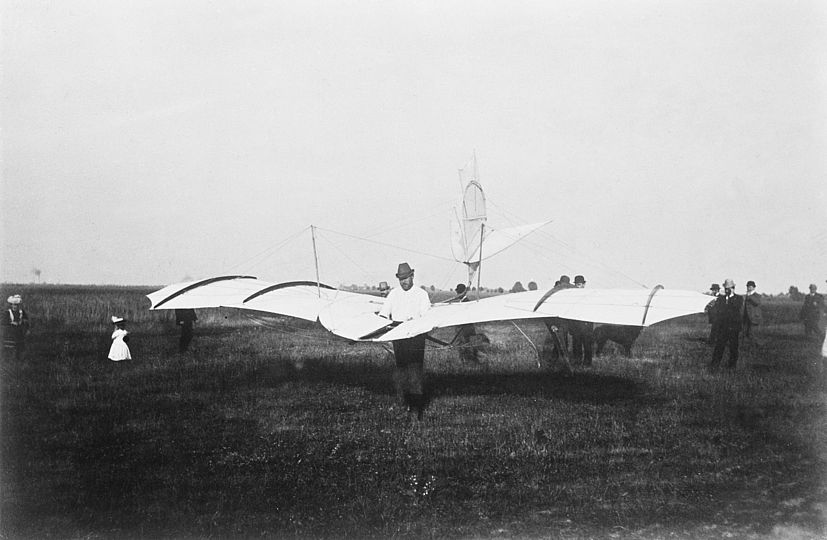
402, 305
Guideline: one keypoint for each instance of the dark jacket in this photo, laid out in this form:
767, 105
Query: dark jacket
728, 312
812, 308
752, 308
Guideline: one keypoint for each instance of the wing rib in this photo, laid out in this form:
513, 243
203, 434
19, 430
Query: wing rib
284, 285
649, 303
544, 298
199, 284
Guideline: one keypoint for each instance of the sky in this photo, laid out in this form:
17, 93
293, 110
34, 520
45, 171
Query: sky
669, 142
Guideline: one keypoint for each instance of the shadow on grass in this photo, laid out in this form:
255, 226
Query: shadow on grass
580, 387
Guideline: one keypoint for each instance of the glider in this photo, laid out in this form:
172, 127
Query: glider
354, 316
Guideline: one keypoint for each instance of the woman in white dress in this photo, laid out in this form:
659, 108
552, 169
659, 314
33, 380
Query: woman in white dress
119, 349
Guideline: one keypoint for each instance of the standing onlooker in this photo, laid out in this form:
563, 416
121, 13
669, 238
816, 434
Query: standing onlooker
556, 345
466, 333
119, 349
384, 289
405, 303
185, 318
729, 308
582, 333
752, 310
810, 313
15, 327
712, 313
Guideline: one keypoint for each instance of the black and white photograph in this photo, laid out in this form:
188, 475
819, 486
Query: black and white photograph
439, 269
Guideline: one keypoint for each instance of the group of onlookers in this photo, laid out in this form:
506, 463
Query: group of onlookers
733, 316
729, 316
185, 318
15, 327
564, 331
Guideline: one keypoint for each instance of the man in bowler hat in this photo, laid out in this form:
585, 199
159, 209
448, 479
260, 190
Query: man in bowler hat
752, 310
711, 311
582, 333
810, 313
729, 311
405, 303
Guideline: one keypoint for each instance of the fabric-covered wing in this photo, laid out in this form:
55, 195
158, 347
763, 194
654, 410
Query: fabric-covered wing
206, 293
353, 315
636, 307
307, 300
633, 307
301, 299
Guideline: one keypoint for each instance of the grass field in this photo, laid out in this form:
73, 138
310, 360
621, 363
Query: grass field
271, 428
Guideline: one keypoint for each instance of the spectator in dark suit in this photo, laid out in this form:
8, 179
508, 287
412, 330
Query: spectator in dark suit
467, 332
556, 346
729, 312
752, 310
582, 333
810, 313
185, 318
712, 313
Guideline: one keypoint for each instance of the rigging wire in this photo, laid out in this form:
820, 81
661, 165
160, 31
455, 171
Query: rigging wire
439, 208
267, 252
346, 256
387, 244
563, 243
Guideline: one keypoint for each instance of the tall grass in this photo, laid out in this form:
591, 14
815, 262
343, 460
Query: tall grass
274, 428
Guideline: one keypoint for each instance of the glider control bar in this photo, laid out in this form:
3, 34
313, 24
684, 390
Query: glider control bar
384, 330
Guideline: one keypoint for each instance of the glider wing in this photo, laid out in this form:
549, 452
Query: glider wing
354, 315
637, 307
342, 312
206, 293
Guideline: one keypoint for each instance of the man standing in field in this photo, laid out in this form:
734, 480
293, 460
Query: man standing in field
729, 308
582, 333
810, 313
405, 303
752, 310
185, 318
384, 289
466, 332
15, 327
712, 313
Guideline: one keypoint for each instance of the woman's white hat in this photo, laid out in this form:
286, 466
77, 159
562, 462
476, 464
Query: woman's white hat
116, 320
